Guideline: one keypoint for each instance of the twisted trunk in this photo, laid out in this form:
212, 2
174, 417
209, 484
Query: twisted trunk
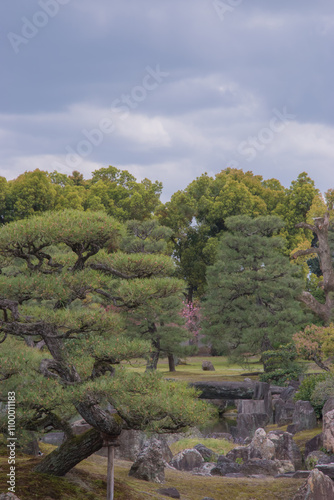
70, 453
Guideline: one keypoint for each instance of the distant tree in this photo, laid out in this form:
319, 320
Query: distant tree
159, 321
251, 304
315, 343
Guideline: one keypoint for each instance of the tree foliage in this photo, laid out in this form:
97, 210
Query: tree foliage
67, 344
251, 303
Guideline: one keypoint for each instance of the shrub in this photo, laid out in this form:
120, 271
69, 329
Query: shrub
307, 389
281, 365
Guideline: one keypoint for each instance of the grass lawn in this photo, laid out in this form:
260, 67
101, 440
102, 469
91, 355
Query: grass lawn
88, 481
192, 370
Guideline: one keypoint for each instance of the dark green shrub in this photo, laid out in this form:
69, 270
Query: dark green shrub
306, 391
281, 365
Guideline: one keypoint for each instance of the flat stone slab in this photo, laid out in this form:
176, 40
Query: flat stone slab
225, 390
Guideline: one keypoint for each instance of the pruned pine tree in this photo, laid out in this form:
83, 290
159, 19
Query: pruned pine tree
251, 303
62, 350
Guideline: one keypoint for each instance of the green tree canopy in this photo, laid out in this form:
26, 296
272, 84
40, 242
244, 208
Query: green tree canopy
251, 303
64, 339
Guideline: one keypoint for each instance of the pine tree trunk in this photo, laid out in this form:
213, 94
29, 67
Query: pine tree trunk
171, 363
152, 363
70, 453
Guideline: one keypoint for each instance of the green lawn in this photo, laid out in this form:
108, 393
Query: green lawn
192, 370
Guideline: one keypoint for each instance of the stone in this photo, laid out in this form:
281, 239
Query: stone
317, 457
286, 413
208, 366
8, 496
261, 446
220, 435
204, 470
288, 393
327, 469
286, 448
225, 390
187, 460
328, 431
317, 487
277, 409
261, 466
225, 466
132, 441
248, 423
313, 444
239, 452
149, 464
169, 492
304, 416
328, 406
207, 454
80, 426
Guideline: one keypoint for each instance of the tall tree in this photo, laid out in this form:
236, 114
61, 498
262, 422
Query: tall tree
251, 301
62, 351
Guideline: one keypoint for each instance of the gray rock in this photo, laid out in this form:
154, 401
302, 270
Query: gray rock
149, 464
286, 413
220, 435
317, 457
248, 423
239, 452
208, 366
304, 416
262, 466
169, 492
317, 487
80, 426
286, 448
207, 454
225, 466
288, 393
328, 406
8, 496
328, 431
187, 460
327, 469
227, 390
313, 444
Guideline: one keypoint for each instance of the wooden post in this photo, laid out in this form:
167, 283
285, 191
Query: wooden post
110, 443
110, 473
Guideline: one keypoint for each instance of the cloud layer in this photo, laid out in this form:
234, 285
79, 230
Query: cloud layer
168, 90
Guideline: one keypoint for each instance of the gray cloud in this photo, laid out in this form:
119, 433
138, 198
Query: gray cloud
225, 77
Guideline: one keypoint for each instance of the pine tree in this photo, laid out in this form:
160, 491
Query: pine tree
250, 305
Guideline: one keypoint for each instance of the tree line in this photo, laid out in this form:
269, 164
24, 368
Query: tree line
94, 273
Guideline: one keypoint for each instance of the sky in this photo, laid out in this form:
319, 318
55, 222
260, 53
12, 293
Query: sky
168, 89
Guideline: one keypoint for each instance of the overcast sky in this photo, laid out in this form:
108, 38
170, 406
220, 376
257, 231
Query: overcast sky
168, 89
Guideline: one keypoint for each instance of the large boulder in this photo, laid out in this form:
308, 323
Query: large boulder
225, 466
317, 487
80, 426
286, 413
328, 431
286, 448
247, 424
304, 416
207, 454
317, 457
187, 460
313, 444
259, 466
261, 446
208, 366
149, 464
328, 406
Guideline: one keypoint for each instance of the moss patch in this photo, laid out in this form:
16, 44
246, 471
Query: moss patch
220, 446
